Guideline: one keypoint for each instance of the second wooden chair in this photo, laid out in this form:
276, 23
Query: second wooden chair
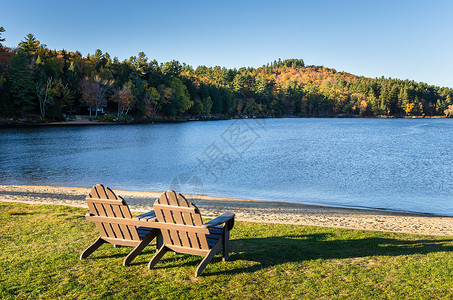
183, 230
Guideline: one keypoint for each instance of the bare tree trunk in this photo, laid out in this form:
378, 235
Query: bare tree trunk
155, 108
43, 96
100, 93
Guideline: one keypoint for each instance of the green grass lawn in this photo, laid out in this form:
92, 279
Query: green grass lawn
40, 247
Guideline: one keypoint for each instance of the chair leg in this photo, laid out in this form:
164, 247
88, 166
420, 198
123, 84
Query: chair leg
92, 248
226, 244
157, 256
159, 239
145, 242
207, 259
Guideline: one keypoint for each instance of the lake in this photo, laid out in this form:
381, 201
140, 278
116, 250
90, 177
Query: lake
393, 164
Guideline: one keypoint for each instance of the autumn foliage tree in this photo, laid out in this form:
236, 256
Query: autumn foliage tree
124, 98
88, 93
449, 111
144, 88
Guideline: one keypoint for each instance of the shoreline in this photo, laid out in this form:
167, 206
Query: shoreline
250, 210
12, 124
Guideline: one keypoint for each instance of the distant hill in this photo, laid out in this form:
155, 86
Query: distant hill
36, 82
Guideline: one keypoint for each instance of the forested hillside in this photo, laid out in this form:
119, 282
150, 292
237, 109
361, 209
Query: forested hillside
36, 82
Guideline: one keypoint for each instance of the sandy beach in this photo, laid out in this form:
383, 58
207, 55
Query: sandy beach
247, 210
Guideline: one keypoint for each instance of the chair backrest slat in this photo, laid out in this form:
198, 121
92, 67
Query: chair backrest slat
193, 240
99, 208
100, 190
110, 194
172, 209
160, 217
115, 227
169, 218
198, 222
126, 213
103, 202
179, 219
126, 234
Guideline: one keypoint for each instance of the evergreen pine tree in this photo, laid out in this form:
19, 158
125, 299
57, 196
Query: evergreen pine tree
21, 84
30, 45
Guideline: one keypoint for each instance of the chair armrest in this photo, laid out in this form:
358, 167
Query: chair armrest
220, 219
149, 216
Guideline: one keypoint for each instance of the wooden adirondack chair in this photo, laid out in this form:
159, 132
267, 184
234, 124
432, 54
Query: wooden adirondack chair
115, 223
183, 230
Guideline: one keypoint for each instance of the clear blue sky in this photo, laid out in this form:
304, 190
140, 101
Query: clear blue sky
398, 39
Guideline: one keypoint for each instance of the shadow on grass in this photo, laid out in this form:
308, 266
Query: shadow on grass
122, 252
171, 260
272, 251
14, 212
